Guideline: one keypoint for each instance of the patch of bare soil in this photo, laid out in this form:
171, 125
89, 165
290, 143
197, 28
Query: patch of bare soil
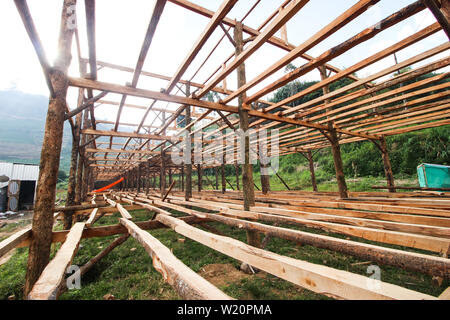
224, 274
20, 216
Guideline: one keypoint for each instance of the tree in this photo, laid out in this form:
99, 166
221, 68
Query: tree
62, 175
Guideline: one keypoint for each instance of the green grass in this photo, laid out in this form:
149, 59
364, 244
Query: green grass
127, 272
300, 179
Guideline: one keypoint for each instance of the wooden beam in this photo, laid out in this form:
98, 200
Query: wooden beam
439, 15
188, 284
334, 52
154, 20
48, 285
90, 23
216, 19
84, 83
412, 261
317, 278
13, 241
254, 33
24, 11
274, 26
324, 33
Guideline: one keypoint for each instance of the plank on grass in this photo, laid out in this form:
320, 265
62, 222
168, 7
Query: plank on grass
185, 281
17, 238
91, 217
320, 279
13, 241
49, 283
427, 264
124, 212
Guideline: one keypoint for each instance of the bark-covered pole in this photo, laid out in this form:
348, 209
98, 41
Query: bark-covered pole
147, 177
182, 178
253, 238
79, 123
188, 150
222, 167
264, 168
39, 250
71, 186
163, 162
338, 165
387, 164
139, 179
199, 175
311, 170
79, 177
265, 178
86, 169
216, 171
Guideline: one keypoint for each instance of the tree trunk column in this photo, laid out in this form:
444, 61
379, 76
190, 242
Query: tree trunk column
311, 169
338, 165
387, 164
71, 186
199, 174
253, 238
188, 150
182, 179
163, 163
265, 178
39, 249
216, 171
139, 179
222, 167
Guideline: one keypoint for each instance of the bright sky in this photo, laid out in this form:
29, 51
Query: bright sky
121, 26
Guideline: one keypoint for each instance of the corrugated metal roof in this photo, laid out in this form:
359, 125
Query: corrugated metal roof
19, 171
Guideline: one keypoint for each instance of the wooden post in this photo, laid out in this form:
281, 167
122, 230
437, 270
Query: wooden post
147, 178
79, 177
216, 171
163, 162
236, 169
338, 165
199, 175
162, 176
222, 166
39, 251
445, 8
71, 186
253, 238
188, 150
170, 177
265, 178
182, 178
311, 169
387, 164
139, 179
84, 184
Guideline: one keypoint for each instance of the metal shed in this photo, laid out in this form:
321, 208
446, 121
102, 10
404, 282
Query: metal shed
19, 192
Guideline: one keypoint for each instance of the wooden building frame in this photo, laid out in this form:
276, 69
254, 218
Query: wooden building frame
363, 110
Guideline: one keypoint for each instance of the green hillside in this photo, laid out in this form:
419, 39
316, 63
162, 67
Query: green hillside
22, 121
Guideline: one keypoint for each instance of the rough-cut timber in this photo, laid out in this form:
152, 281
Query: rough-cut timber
328, 281
48, 285
39, 251
188, 284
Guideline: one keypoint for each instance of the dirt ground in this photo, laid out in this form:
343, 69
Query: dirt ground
224, 274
